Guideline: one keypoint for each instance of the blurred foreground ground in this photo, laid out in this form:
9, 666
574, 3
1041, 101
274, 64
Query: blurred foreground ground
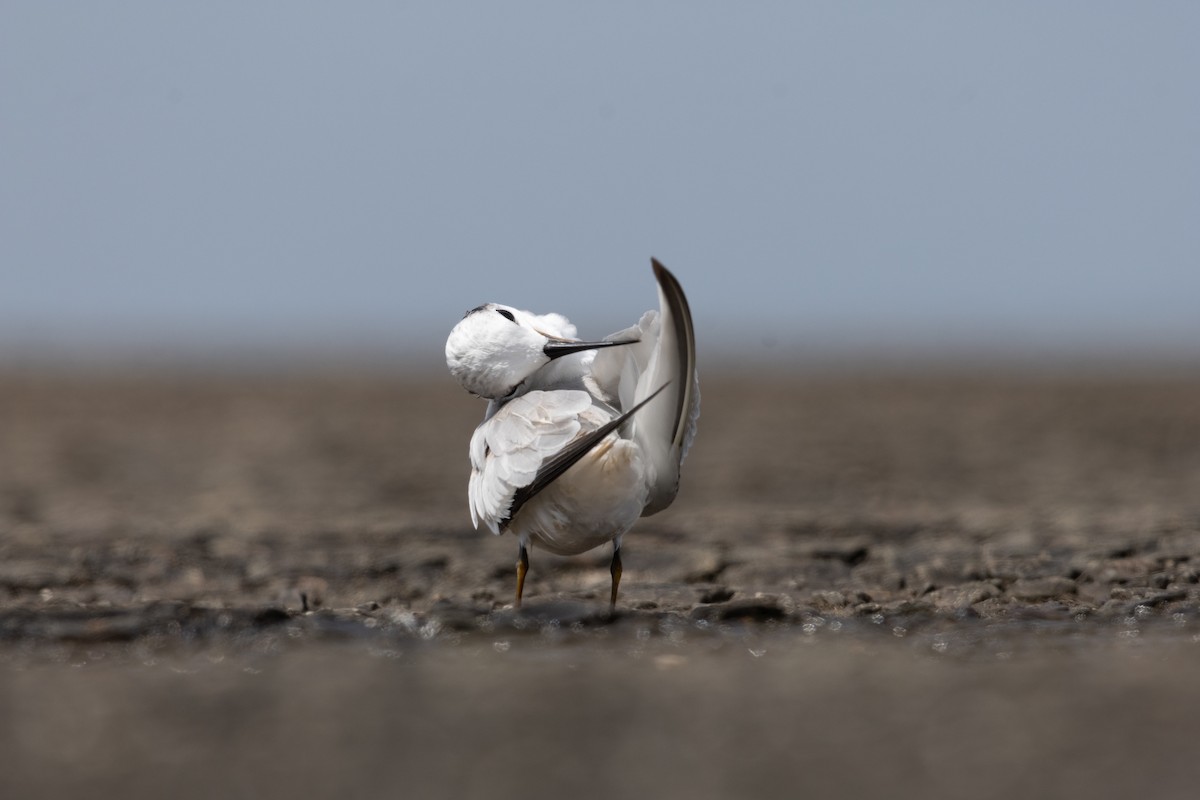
932, 585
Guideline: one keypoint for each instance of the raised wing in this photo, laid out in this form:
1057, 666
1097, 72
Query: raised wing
666, 429
665, 354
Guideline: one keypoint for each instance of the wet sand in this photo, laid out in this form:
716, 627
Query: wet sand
914, 585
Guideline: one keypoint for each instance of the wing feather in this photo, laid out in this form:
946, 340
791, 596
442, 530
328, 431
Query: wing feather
665, 353
667, 429
512, 444
502, 480
566, 458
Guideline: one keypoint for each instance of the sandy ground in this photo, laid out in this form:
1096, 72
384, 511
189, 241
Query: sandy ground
268, 586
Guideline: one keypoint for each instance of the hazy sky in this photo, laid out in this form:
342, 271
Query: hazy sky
1020, 175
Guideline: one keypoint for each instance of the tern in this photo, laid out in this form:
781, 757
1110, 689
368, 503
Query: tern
579, 439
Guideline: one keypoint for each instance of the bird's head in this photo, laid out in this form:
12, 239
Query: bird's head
495, 348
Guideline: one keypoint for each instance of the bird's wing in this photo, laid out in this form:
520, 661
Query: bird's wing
665, 353
567, 457
667, 427
510, 446
613, 371
521, 452
679, 317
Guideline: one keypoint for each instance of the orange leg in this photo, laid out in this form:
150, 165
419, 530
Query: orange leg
522, 568
615, 569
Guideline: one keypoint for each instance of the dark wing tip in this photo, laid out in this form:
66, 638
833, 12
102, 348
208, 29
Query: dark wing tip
681, 314
668, 280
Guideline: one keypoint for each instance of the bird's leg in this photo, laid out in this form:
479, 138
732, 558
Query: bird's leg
522, 568
615, 569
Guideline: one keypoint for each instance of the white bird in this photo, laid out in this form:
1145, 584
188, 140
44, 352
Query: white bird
560, 458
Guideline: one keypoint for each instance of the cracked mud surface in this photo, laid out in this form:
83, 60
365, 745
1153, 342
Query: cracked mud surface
910, 547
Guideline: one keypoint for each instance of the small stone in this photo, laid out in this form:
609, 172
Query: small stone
271, 615
829, 600
756, 609
1033, 589
716, 594
1093, 593
993, 608
897, 607
1113, 608
849, 553
456, 616
1161, 598
961, 596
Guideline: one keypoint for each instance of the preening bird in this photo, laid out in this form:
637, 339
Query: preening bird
579, 438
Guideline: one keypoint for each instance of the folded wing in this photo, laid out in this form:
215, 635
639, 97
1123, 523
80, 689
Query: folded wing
518, 452
510, 447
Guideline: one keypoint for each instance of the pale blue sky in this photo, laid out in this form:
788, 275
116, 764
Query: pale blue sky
1023, 176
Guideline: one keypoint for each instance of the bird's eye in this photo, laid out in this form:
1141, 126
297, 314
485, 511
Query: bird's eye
506, 314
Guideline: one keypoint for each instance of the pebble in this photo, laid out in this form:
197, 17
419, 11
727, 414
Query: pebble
1032, 589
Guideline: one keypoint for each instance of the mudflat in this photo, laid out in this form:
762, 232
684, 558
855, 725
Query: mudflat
925, 584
